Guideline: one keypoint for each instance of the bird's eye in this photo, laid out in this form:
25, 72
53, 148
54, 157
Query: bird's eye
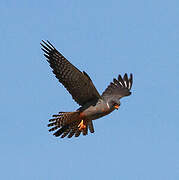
115, 104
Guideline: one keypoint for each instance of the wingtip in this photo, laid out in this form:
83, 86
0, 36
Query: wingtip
126, 81
42, 42
47, 44
131, 76
131, 80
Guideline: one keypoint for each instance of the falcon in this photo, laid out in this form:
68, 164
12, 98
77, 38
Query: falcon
80, 86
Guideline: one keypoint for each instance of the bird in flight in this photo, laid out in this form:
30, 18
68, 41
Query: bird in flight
80, 86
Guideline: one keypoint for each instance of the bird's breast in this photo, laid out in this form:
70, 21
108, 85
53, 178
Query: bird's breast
95, 112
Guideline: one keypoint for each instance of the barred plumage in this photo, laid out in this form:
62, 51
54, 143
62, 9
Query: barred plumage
76, 82
67, 123
120, 87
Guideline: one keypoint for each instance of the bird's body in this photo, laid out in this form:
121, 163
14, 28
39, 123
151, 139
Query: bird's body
80, 86
97, 110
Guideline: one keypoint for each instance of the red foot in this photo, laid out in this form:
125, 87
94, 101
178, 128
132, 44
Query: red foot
81, 126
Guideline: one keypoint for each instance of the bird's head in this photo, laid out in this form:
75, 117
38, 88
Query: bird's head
113, 103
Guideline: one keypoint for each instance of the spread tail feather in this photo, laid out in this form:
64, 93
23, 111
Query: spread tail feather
66, 123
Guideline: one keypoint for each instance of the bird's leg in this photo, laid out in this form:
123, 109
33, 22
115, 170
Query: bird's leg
81, 126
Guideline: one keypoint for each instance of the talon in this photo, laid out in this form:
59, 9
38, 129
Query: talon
81, 126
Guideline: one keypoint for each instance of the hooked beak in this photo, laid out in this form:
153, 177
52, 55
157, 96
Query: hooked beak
116, 106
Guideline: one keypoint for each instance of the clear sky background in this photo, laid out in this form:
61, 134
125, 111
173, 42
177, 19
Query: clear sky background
140, 141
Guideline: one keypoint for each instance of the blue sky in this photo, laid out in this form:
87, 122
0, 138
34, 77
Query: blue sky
140, 141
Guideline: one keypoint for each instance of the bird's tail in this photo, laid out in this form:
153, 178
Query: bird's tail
67, 123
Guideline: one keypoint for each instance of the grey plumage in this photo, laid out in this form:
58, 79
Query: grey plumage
80, 86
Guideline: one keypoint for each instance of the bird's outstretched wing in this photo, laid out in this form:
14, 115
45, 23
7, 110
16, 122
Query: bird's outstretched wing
119, 88
78, 83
